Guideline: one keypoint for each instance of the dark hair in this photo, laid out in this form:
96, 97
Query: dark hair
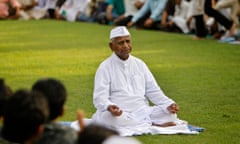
95, 134
5, 93
25, 112
56, 94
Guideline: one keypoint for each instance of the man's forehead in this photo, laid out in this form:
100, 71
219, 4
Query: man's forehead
122, 38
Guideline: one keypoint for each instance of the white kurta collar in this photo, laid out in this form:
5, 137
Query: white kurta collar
124, 63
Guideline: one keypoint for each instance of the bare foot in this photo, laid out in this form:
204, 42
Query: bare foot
197, 38
167, 124
232, 30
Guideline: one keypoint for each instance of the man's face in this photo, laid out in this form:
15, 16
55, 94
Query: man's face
121, 46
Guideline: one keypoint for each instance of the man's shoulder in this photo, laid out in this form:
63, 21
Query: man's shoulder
106, 61
137, 59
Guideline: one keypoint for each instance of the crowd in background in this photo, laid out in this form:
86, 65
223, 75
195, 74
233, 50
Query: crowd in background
216, 18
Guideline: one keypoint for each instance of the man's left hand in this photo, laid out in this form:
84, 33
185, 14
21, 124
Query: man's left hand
173, 108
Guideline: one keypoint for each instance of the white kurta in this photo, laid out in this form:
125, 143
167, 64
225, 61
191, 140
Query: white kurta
130, 7
196, 8
71, 8
180, 16
129, 85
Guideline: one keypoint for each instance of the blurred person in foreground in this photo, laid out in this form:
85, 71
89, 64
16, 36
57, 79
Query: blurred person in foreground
5, 93
95, 134
121, 140
56, 94
24, 115
98, 134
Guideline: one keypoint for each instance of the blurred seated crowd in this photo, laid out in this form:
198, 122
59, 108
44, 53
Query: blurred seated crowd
218, 19
31, 116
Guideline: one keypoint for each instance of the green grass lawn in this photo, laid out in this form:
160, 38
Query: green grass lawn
202, 76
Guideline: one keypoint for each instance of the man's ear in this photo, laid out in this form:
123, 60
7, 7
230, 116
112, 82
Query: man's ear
63, 110
111, 46
39, 132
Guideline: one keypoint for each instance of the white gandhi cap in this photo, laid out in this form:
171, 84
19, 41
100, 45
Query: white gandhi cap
118, 32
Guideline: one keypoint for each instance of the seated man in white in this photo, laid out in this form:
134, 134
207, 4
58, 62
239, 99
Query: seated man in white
124, 88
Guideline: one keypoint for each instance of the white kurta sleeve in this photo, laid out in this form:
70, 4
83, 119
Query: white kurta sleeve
154, 92
101, 89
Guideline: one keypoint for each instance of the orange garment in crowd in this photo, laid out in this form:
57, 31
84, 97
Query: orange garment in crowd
4, 7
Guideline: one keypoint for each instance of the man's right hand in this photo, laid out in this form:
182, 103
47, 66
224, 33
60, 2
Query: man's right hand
115, 110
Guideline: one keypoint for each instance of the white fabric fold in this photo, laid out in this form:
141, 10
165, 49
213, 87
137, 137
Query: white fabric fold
143, 129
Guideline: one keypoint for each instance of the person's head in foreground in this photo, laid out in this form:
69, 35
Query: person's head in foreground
56, 94
24, 117
5, 93
121, 140
120, 42
95, 134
